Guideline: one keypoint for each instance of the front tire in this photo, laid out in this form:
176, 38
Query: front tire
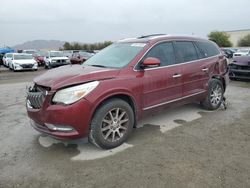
215, 95
112, 123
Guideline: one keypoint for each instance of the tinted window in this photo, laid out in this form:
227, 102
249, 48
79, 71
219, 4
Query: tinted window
164, 52
207, 49
186, 51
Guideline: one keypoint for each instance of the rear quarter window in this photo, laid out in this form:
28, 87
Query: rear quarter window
207, 49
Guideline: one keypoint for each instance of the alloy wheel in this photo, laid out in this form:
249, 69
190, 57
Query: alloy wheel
216, 95
114, 124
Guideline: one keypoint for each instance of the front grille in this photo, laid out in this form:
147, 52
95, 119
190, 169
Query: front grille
239, 71
61, 61
36, 96
239, 67
27, 65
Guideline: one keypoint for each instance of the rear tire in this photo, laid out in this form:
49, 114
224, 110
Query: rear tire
112, 123
215, 95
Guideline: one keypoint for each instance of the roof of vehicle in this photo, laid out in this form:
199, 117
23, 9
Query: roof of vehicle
55, 51
159, 37
29, 50
21, 54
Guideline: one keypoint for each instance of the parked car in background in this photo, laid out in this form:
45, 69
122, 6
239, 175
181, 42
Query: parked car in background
104, 97
22, 61
6, 59
80, 56
228, 52
39, 57
32, 52
242, 52
55, 59
67, 53
1, 59
240, 68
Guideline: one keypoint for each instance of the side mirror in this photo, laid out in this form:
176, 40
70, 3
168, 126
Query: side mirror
151, 62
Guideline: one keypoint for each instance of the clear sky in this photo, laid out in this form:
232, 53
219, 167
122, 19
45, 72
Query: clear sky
101, 20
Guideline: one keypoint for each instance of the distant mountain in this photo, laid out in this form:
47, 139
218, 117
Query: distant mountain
40, 44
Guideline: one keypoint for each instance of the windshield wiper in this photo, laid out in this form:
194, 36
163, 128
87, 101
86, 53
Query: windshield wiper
98, 66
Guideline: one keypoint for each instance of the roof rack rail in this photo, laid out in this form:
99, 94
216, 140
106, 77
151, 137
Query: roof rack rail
153, 35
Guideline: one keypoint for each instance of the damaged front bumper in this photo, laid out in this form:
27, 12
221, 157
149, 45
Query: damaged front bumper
239, 71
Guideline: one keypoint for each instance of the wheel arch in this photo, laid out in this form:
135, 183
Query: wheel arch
123, 96
218, 77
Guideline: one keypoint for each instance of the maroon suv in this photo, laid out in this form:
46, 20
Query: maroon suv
104, 98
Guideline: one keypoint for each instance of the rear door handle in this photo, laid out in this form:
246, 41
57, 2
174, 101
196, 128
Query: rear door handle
176, 75
205, 69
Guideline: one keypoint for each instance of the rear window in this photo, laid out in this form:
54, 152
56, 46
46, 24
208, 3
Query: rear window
207, 49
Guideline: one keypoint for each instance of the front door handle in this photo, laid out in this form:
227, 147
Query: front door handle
205, 69
176, 75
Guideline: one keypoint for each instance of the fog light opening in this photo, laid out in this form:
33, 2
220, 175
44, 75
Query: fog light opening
64, 128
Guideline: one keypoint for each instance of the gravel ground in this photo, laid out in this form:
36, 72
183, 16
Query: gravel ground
180, 147
7, 76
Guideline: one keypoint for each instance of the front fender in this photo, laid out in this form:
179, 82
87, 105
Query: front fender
119, 87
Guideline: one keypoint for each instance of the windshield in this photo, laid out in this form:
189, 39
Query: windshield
244, 50
85, 54
116, 56
41, 53
56, 54
29, 51
22, 56
67, 54
9, 55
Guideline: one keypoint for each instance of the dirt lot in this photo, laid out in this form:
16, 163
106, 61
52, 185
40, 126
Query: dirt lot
180, 147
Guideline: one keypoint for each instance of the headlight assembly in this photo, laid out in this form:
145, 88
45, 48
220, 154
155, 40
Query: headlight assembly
75, 93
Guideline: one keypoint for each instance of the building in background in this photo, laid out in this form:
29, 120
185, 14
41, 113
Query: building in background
236, 35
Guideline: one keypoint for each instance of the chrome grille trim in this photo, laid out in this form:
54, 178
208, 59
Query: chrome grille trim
36, 96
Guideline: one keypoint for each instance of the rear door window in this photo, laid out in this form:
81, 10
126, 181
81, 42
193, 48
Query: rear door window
186, 51
164, 52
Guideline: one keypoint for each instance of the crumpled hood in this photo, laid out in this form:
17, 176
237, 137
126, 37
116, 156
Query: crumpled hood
73, 74
242, 60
